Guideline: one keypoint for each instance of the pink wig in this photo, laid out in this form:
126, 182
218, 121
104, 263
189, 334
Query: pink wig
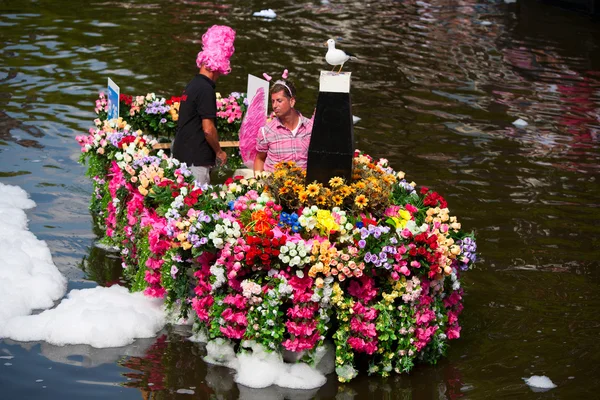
217, 48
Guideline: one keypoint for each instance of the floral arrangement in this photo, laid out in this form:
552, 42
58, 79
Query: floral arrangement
157, 116
373, 264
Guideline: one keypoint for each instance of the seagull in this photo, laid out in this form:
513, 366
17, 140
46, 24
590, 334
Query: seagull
336, 56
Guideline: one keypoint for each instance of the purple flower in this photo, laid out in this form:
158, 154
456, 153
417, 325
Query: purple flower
174, 271
163, 120
364, 233
362, 243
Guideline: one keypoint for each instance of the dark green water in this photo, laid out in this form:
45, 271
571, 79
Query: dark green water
437, 86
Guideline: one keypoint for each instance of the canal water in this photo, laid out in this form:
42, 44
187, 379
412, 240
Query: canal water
437, 86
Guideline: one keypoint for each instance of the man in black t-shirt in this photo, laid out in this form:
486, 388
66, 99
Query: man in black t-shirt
197, 142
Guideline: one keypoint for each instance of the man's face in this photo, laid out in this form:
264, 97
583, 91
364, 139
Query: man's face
282, 106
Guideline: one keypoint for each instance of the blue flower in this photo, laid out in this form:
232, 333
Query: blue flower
359, 224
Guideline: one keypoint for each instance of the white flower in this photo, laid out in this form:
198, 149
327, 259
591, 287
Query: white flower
300, 274
293, 253
283, 249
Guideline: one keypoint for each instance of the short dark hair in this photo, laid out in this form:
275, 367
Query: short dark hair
285, 86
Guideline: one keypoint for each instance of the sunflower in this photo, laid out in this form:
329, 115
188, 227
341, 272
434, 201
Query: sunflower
298, 187
337, 200
312, 189
336, 181
284, 191
288, 183
360, 185
361, 201
389, 179
303, 196
280, 173
346, 191
321, 200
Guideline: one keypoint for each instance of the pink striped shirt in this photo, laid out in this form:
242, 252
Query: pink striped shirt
281, 145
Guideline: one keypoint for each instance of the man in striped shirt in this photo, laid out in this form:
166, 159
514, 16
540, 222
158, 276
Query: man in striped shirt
287, 136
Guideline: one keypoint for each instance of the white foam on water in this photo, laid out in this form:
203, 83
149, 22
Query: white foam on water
539, 382
520, 123
259, 368
268, 13
29, 279
100, 316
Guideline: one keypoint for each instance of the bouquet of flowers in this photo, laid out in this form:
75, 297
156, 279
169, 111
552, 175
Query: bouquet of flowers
157, 116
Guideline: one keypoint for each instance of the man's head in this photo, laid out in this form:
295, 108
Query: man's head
217, 48
283, 97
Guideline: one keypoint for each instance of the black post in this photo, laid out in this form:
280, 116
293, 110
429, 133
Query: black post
332, 141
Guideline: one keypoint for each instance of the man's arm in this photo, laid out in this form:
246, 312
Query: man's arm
212, 137
259, 162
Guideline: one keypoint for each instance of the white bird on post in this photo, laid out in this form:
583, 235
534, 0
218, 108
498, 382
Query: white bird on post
336, 56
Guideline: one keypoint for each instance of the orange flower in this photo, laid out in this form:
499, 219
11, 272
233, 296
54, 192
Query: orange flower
361, 201
262, 226
312, 189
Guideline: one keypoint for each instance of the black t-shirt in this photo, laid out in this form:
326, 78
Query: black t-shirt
198, 102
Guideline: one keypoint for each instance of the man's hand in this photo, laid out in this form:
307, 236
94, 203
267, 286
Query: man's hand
221, 158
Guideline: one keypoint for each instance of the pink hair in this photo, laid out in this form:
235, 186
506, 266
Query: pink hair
217, 48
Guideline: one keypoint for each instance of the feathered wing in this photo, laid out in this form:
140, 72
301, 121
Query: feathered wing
254, 119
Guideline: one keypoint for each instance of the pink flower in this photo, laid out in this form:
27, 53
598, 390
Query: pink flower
301, 329
152, 278
234, 317
453, 332
238, 301
233, 332
155, 291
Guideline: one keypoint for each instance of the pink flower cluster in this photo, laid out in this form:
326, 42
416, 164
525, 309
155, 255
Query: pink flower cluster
454, 305
301, 323
234, 316
228, 108
203, 300
158, 244
101, 103
363, 333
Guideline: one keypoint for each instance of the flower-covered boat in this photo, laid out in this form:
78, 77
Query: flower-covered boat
373, 264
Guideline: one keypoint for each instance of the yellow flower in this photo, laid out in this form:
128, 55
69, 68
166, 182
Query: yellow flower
312, 189
288, 183
361, 201
284, 190
336, 181
337, 200
143, 191
303, 196
321, 200
186, 245
360, 185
